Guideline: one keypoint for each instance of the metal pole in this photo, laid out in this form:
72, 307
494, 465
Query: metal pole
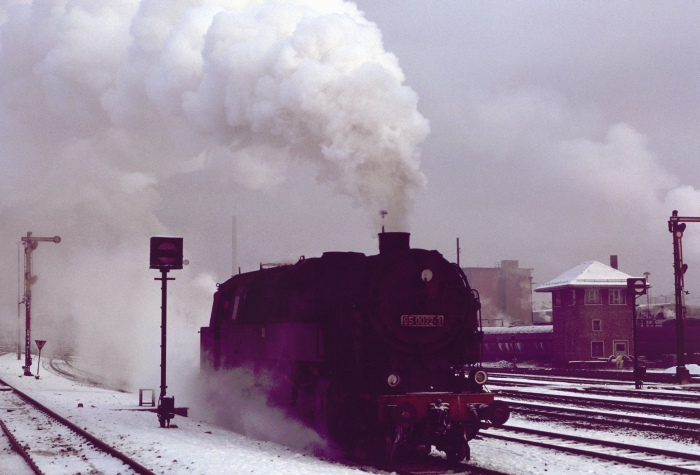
19, 304
39, 344
38, 364
27, 305
679, 301
163, 330
637, 378
30, 243
649, 315
166, 405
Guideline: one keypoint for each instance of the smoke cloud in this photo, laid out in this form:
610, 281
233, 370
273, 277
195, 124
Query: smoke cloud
104, 104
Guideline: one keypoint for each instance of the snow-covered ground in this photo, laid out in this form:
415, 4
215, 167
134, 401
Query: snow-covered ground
194, 447
201, 447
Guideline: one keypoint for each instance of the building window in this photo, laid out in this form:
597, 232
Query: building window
556, 298
617, 297
597, 325
592, 297
572, 297
620, 347
596, 349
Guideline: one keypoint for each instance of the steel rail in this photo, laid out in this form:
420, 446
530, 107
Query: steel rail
496, 375
592, 375
670, 426
627, 406
72, 376
101, 445
431, 464
647, 457
24, 453
651, 395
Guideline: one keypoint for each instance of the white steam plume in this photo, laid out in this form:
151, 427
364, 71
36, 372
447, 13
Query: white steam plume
101, 101
163, 81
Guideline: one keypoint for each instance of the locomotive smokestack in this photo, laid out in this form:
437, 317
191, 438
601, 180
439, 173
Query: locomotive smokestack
391, 242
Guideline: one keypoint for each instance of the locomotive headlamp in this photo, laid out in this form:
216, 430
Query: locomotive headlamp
480, 377
426, 275
393, 380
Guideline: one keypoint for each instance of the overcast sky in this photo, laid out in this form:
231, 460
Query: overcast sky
561, 132
548, 132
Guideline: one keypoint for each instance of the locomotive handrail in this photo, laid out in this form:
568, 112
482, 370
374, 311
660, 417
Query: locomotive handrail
477, 298
462, 275
474, 292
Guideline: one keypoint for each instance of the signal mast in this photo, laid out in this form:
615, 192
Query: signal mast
30, 244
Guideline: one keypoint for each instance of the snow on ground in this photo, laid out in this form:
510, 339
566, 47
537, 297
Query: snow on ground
692, 369
194, 447
200, 447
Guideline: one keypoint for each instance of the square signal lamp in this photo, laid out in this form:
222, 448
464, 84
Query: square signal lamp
166, 253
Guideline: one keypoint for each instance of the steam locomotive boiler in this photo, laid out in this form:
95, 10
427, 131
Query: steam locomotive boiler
382, 353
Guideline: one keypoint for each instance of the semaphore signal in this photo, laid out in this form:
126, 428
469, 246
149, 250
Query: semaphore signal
30, 245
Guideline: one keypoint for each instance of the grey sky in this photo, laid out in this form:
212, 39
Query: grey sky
560, 131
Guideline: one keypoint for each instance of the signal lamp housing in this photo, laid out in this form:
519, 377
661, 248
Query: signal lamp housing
166, 253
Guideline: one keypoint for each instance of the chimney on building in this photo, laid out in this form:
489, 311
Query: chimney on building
613, 261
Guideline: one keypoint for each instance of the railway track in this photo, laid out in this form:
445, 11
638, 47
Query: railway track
608, 387
525, 379
625, 406
432, 464
601, 380
65, 368
51, 444
650, 395
452, 470
599, 419
628, 454
433, 468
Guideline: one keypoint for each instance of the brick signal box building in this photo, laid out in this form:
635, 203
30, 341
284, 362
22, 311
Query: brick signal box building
591, 318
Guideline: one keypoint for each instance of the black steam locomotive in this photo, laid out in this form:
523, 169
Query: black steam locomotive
382, 353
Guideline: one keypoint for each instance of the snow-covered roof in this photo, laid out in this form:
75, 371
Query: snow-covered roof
587, 274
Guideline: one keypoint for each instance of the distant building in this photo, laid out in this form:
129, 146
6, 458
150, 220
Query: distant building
505, 291
591, 318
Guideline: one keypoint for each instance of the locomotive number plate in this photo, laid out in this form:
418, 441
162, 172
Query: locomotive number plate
422, 320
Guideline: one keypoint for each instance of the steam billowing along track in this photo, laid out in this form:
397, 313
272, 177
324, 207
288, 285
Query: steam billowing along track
52, 444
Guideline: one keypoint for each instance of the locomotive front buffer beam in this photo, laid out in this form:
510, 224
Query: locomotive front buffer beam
447, 421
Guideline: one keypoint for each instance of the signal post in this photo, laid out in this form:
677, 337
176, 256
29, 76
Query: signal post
30, 244
166, 254
676, 226
636, 287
